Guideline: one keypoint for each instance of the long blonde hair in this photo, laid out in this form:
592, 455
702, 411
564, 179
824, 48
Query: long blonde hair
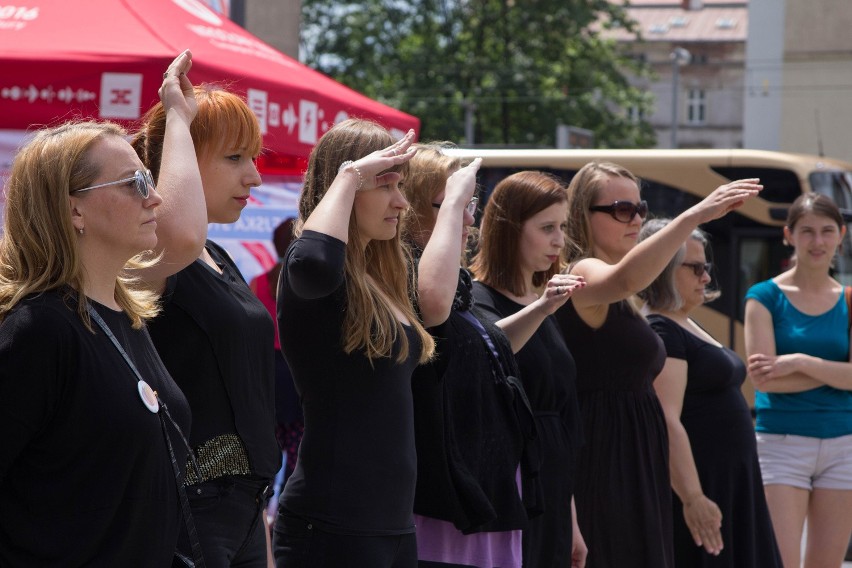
369, 324
38, 250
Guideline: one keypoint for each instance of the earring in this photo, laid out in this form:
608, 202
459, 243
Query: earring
81, 231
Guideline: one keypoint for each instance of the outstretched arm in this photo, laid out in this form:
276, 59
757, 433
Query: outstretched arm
609, 283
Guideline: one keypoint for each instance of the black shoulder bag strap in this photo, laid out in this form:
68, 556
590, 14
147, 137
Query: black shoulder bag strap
164, 410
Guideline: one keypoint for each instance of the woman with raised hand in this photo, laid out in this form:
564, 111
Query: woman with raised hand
471, 421
521, 244
797, 339
351, 339
720, 514
623, 492
93, 421
215, 337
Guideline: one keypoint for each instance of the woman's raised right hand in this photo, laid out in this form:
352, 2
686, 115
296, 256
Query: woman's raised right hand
726, 198
370, 166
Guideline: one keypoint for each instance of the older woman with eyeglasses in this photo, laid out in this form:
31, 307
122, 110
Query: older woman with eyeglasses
720, 514
622, 492
92, 457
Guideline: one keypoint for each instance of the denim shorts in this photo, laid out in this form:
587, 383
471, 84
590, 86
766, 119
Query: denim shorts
805, 462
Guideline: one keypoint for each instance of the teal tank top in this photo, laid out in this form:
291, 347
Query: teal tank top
823, 412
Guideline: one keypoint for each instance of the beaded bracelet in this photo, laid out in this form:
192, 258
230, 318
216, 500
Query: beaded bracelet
357, 171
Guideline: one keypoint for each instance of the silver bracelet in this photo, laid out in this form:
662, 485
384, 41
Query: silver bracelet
357, 171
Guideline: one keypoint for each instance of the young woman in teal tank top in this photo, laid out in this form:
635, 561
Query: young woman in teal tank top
797, 340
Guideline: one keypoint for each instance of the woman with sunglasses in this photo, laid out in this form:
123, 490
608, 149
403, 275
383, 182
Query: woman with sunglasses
797, 336
720, 514
86, 476
623, 493
521, 243
216, 338
345, 281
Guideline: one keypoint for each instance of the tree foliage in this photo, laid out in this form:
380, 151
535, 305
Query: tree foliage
524, 65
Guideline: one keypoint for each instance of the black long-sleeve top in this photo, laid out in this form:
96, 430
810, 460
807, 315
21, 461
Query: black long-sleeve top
216, 338
85, 474
357, 465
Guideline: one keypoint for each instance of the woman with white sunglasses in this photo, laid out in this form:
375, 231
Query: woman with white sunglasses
93, 451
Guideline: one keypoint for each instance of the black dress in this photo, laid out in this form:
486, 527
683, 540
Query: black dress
549, 376
623, 488
718, 422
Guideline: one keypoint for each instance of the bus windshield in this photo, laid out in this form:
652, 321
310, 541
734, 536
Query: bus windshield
838, 186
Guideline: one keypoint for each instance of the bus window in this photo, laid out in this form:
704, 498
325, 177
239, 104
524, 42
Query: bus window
838, 186
780, 185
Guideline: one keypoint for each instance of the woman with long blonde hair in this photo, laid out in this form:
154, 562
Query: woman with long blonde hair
351, 338
92, 419
623, 493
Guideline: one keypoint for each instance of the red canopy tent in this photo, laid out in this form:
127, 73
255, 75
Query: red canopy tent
61, 59
105, 58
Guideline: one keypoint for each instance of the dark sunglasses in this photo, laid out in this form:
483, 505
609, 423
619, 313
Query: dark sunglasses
142, 179
699, 268
470, 207
623, 211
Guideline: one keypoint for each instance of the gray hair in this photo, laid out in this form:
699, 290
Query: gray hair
662, 294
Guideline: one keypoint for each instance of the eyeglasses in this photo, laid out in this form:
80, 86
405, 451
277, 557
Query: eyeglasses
699, 268
142, 178
470, 207
623, 211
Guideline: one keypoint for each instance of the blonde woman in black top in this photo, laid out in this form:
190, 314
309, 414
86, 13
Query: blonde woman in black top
85, 472
352, 340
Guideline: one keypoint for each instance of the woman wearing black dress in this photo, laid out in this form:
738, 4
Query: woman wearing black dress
720, 513
521, 242
623, 492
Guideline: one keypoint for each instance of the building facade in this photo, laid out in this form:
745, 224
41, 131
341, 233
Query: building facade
696, 49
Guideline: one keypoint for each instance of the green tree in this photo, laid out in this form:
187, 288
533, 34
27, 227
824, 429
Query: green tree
524, 65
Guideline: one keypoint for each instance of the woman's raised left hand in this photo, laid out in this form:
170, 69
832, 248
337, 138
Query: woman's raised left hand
176, 92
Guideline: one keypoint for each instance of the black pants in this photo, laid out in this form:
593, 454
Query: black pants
299, 544
227, 513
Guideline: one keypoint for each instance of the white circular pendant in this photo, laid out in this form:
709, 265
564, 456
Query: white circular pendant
148, 396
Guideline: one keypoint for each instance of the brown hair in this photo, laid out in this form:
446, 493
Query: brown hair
38, 251
513, 201
369, 324
582, 191
815, 203
223, 120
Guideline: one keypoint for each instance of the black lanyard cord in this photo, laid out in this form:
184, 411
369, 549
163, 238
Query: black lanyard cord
163, 410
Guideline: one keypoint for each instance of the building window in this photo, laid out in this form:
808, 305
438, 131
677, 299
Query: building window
696, 107
635, 114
